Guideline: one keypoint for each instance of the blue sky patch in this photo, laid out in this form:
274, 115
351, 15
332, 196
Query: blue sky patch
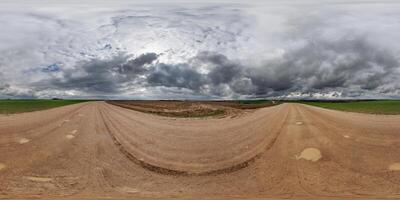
51, 68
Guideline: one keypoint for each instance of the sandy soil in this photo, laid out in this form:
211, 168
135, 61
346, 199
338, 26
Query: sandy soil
100, 151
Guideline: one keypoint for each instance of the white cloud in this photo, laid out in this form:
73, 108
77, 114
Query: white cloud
258, 35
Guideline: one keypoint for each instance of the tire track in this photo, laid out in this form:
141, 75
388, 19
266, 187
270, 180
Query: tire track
166, 171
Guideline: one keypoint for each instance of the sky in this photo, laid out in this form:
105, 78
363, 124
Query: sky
199, 49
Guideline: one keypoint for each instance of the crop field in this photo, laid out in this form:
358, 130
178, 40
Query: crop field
388, 107
193, 108
19, 106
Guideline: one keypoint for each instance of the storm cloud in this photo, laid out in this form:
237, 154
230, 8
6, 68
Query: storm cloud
307, 50
100, 76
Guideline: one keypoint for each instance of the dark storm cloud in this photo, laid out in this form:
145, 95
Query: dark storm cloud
180, 76
135, 66
346, 64
6, 91
339, 64
352, 66
101, 75
223, 71
96, 76
4, 87
318, 66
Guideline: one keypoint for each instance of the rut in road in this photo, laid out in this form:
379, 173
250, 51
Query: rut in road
94, 150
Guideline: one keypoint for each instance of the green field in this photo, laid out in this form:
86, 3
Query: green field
19, 106
388, 107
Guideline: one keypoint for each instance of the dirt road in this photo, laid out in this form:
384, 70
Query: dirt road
99, 151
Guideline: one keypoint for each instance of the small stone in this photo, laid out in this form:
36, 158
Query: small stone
69, 136
23, 140
394, 167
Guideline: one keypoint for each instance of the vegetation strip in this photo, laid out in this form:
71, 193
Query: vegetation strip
20, 106
387, 107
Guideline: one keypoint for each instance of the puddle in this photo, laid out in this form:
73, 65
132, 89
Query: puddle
127, 189
74, 132
2, 166
310, 154
394, 167
299, 123
23, 140
69, 136
38, 179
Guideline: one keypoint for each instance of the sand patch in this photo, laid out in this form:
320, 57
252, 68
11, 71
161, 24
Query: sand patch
74, 132
299, 123
310, 154
346, 136
394, 167
2, 166
23, 140
127, 189
63, 122
69, 136
38, 179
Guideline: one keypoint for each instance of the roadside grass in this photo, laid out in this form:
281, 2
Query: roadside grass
387, 107
246, 104
19, 106
256, 101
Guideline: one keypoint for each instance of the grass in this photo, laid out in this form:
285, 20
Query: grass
19, 106
246, 104
388, 107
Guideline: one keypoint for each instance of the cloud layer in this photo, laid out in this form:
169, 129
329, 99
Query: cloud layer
200, 51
